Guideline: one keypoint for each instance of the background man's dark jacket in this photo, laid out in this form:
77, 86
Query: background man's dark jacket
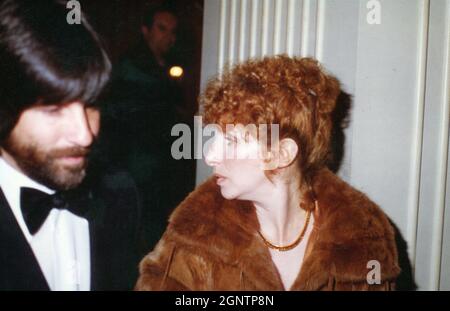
137, 119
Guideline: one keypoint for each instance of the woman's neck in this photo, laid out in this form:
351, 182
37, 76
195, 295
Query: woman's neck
279, 214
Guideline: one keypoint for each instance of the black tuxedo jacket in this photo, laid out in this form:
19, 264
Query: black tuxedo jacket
113, 215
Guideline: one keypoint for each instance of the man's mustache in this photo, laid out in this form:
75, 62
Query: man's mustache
71, 152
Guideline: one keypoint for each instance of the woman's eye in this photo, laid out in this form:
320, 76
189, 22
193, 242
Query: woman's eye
231, 140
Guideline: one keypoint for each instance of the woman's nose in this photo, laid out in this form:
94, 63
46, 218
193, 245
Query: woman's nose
213, 155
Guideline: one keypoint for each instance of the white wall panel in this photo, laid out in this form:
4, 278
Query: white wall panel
293, 25
432, 249
340, 33
388, 110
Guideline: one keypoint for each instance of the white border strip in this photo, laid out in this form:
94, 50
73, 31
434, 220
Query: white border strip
222, 35
320, 29
277, 31
232, 35
305, 27
290, 27
254, 28
413, 208
242, 28
438, 223
265, 28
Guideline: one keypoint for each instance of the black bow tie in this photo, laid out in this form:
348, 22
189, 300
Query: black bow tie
36, 205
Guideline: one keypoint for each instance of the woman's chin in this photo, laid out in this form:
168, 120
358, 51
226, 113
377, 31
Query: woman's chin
227, 194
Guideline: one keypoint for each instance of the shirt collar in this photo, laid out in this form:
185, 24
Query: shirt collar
12, 178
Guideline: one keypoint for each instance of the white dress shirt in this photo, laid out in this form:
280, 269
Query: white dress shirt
61, 245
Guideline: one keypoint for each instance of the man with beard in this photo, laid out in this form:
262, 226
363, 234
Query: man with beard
60, 227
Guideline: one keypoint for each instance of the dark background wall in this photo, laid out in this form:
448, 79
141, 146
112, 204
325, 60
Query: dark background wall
118, 22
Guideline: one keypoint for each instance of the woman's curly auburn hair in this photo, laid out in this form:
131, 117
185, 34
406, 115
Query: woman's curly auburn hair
292, 92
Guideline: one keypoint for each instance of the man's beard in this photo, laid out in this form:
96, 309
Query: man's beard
44, 166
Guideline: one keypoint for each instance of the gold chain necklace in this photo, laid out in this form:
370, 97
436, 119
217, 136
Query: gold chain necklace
295, 243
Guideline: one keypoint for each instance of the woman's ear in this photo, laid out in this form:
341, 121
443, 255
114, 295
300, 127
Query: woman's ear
288, 150
282, 157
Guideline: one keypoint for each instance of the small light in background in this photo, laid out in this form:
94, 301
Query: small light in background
176, 71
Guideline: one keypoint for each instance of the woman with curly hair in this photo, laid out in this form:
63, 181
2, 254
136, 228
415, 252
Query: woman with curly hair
273, 217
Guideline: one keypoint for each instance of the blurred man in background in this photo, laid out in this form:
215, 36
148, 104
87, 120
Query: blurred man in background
145, 103
159, 30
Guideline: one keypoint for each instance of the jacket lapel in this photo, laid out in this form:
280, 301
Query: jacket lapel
19, 268
93, 217
108, 258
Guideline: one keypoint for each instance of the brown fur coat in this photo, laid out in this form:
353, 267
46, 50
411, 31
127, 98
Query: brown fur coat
212, 244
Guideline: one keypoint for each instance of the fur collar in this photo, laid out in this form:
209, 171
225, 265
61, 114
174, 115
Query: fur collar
350, 231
